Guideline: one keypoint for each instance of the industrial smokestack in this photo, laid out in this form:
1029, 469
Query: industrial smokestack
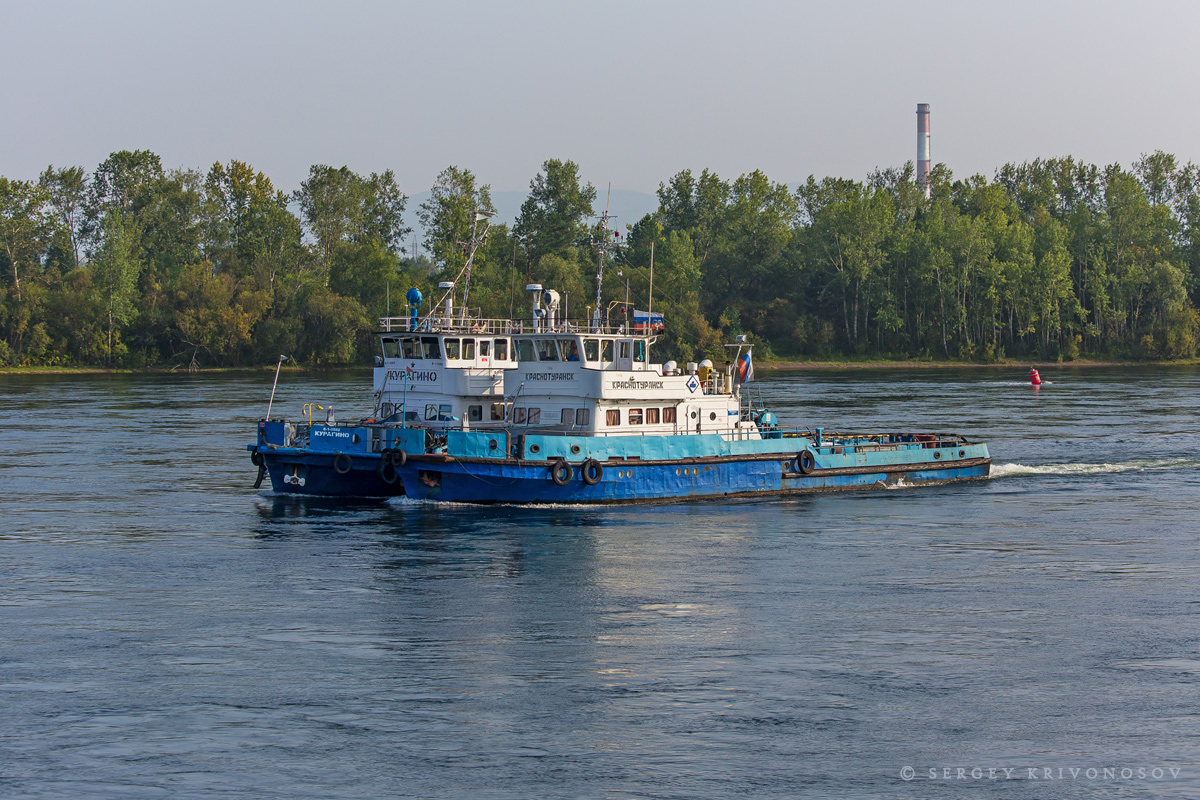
923, 165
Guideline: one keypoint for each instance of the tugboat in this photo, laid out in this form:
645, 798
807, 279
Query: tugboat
547, 410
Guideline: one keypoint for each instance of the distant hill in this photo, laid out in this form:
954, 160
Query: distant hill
625, 205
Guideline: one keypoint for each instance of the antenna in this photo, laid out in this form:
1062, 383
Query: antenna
602, 228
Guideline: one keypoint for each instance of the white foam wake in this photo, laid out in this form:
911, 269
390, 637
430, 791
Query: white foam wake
1144, 465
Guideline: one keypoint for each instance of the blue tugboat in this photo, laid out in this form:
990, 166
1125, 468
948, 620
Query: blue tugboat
546, 410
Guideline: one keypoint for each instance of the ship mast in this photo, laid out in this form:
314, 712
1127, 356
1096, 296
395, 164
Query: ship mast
477, 238
602, 248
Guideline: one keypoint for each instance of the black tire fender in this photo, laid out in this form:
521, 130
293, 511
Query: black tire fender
386, 471
256, 458
592, 472
806, 462
399, 458
342, 463
561, 473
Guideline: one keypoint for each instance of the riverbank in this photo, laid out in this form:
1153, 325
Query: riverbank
865, 364
910, 364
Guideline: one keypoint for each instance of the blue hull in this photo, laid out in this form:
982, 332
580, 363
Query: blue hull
516, 482
307, 473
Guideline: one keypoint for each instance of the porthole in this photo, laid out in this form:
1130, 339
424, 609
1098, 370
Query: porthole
620, 473
575, 449
533, 448
354, 438
678, 471
693, 415
493, 444
712, 415
962, 453
937, 454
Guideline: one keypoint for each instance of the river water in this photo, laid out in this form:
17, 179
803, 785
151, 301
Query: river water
167, 631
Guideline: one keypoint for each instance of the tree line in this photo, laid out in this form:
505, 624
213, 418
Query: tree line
137, 266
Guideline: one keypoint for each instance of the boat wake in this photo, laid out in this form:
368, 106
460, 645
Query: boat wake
1144, 465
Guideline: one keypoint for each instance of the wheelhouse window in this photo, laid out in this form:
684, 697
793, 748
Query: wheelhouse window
524, 350
591, 349
568, 349
639, 351
452, 349
411, 348
445, 412
430, 345
651, 416
583, 417
534, 416
546, 350
475, 413
612, 417
624, 349
668, 415
431, 411
606, 351
499, 411
485, 347
469, 349
518, 416
568, 416
635, 416
501, 350
391, 348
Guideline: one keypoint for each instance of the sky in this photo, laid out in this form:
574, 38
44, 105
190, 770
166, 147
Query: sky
633, 92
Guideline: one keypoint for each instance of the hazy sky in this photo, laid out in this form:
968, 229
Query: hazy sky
631, 91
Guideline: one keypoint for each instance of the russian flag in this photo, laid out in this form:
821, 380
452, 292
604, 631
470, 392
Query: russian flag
745, 369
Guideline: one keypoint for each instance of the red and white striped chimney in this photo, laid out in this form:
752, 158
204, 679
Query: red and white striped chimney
923, 165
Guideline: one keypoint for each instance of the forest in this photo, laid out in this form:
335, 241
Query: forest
135, 266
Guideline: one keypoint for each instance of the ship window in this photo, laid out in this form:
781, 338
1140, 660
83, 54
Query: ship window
485, 346
639, 351
583, 417
651, 416
431, 411
386, 409
452, 349
411, 416
445, 412
430, 345
518, 416
469, 349
534, 416
606, 351
475, 413
568, 416
498, 411
669, 415
612, 417
411, 348
635, 416
391, 348
546, 350
591, 349
524, 350
502, 349
568, 349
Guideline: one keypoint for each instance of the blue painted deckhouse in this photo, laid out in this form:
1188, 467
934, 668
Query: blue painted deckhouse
546, 410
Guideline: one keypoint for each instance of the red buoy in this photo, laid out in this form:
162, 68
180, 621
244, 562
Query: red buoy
1034, 378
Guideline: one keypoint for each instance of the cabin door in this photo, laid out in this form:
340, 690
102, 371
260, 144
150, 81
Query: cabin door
625, 355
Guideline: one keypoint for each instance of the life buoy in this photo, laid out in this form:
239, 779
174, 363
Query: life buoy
342, 463
592, 472
561, 473
386, 471
256, 458
806, 462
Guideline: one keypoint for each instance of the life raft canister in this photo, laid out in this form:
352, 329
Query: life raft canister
1034, 378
